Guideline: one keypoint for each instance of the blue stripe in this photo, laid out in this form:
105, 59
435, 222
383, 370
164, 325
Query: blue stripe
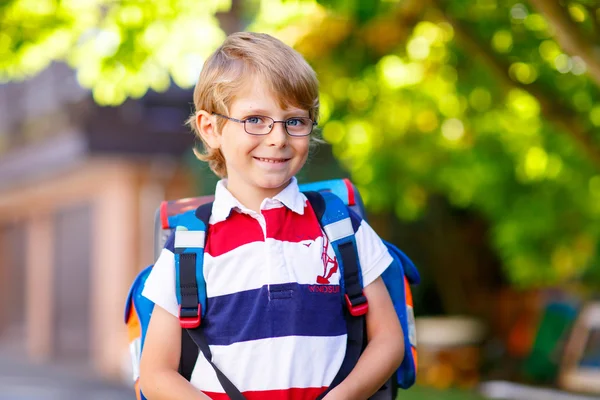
285, 310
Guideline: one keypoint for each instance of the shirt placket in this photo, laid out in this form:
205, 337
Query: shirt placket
267, 253
275, 256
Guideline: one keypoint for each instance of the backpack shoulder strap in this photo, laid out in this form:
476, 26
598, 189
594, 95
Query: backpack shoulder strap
334, 218
317, 202
190, 238
203, 213
189, 350
192, 228
189, 273
196, 337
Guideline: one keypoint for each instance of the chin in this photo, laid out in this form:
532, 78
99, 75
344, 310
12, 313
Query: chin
273, 183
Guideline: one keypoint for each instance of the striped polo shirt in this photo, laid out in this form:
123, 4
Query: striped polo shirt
274, 319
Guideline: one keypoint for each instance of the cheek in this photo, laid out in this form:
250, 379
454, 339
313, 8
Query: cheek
236, 146
301, 147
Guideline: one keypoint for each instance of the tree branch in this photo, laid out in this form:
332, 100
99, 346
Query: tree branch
560, 114
569, 36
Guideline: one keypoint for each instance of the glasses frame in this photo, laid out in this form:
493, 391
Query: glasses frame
243, 121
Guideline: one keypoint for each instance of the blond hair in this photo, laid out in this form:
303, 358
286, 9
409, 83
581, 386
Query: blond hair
241, 56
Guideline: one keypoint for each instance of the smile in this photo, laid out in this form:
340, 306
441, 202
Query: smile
272, 160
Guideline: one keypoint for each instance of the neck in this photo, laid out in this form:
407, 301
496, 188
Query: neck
250, 196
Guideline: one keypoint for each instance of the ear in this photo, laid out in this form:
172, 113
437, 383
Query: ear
207, 127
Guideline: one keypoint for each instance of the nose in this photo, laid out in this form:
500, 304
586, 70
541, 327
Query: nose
278, 136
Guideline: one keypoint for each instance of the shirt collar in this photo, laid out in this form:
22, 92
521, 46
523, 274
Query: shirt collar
224, 202
291, 197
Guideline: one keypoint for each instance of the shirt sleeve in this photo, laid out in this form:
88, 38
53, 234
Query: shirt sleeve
160, 284
372, 253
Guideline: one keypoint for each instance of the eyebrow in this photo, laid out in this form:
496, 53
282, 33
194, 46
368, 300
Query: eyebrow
287, 114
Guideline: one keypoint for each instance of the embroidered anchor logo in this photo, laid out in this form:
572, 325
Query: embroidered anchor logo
327, 262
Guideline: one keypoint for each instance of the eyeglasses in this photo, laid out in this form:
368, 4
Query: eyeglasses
261, 125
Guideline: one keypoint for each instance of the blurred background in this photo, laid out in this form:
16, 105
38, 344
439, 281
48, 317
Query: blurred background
470, 127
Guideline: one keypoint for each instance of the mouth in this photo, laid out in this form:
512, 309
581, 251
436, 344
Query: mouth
272, 160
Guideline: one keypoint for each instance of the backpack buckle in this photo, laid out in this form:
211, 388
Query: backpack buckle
189, 318
357, 307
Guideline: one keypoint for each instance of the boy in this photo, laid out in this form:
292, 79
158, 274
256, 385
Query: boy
269, 333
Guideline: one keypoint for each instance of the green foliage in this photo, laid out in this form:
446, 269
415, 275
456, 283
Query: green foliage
473, 102
476, 101
119, 48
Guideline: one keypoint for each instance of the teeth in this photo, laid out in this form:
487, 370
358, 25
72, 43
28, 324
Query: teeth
269, 160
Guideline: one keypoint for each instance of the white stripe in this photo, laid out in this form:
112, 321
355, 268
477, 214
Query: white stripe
193, 239
266, 263
266, 364
305, 261
339, 230
135, 353
237, 270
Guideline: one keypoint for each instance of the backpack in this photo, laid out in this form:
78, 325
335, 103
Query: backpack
336, 203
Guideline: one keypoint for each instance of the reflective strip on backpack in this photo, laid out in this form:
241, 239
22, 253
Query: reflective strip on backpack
135, 351
410, 314
339, 230
412, 329
189, 239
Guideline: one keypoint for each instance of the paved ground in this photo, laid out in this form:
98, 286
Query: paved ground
19, 381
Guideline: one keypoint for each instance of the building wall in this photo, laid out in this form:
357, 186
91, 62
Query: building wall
84, 234
12, 287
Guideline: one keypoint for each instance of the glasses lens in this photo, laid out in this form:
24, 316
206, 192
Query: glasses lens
258, 125
299, 126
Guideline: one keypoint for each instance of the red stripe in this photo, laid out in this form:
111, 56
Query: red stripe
350, 187
285, 225
164, 218
286, 394
237, 230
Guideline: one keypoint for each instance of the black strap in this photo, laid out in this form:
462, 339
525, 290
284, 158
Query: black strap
317, 202
355, 326
352, 282
189, 350
388, 391
188, 285
198, 338
189, 356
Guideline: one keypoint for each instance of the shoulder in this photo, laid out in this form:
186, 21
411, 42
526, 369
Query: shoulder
373, 254
160, 284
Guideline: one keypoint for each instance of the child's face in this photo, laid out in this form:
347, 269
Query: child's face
263, 164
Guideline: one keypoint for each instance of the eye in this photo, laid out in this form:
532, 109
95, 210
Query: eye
296, 122
255, 120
